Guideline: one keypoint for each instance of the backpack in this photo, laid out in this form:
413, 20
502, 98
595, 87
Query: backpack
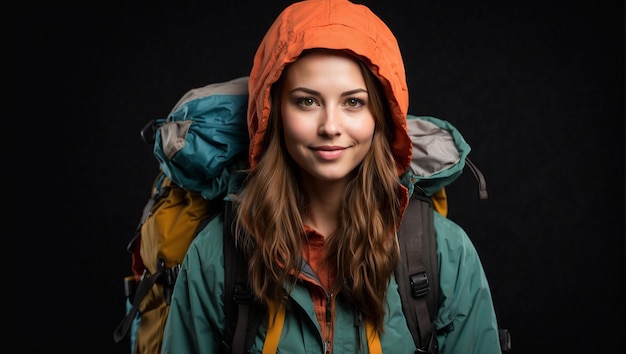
207, 132
198, 146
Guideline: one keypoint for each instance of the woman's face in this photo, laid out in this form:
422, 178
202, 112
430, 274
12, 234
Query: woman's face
327, 123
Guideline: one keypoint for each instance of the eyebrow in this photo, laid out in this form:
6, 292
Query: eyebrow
316, 93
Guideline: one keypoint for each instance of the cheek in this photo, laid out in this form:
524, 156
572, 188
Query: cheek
362, 131
295, 128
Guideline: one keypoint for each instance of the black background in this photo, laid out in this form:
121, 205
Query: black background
536, 87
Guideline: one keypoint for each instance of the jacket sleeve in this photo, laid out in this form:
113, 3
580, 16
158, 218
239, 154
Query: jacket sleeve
196, 315
466, 322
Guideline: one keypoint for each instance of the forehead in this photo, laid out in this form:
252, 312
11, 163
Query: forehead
327, 67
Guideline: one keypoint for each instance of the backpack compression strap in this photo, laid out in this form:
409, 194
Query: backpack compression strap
144, 287
417, 272
147, 280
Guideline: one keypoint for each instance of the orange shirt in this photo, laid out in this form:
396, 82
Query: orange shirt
313, 251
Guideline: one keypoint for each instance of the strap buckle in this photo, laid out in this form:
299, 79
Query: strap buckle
432, 348
242, 294
419, 284
167, 278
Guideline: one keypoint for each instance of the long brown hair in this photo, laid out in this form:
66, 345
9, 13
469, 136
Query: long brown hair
364, 247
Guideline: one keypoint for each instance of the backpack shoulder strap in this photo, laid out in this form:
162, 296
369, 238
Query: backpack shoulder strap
417, 272
243, 313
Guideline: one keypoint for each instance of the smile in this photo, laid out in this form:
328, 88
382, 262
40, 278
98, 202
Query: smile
329, 152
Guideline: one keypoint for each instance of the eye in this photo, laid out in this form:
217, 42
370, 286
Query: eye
305, 101
354, 102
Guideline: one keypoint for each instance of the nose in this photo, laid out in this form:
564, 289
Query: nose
330, 122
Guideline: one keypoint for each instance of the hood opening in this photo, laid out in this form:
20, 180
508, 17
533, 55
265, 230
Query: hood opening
332, 24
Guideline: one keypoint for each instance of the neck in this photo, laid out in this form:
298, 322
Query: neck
322, 212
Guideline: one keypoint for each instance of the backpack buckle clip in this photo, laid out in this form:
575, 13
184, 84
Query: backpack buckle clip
419, 284
242, 294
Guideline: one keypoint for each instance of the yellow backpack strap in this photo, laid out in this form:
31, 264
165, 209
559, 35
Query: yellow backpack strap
373, 340
276, 320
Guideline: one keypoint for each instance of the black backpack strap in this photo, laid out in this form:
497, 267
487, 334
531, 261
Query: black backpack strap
143, 288
417, 272
243, 313
140, 290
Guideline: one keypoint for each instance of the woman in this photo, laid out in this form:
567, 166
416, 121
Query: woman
325, 194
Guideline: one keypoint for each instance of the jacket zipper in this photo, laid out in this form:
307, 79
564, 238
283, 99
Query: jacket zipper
328, 321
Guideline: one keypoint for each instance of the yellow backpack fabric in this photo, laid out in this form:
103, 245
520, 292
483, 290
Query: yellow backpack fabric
440, 202
169, 224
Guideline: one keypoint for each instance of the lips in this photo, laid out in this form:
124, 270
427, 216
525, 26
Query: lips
329, 152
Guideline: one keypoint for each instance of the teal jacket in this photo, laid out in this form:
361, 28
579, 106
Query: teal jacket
466, 310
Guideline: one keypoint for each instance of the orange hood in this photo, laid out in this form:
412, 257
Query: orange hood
333, 24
